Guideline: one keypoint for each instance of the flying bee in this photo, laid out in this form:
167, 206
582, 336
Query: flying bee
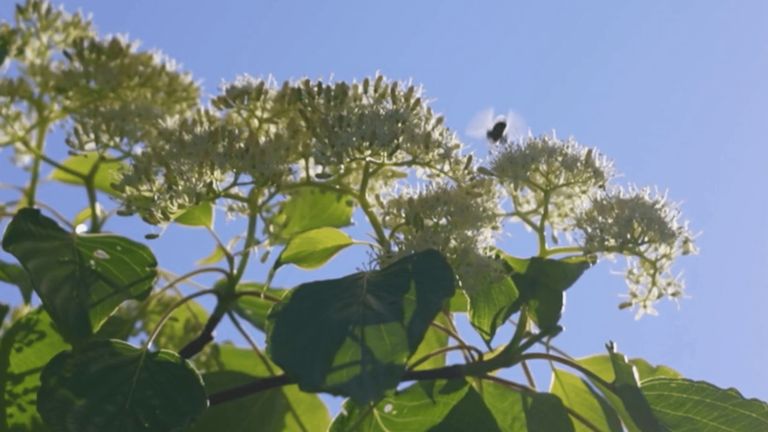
496, 133
497, 129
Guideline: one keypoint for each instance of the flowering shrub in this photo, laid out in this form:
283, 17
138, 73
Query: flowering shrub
295, 160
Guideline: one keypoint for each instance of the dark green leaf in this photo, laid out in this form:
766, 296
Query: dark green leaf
284, 409
255, 309
311, 208
627, 385
683, 405
106, 173
312, 249
579, 396
16, 275
352, 336
541, 283
4, 309
25, 348
456, 406
114, 386
81, 279
4, 45
434, 339
200, 215
491, 306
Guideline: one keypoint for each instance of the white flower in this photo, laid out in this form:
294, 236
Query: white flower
645, 227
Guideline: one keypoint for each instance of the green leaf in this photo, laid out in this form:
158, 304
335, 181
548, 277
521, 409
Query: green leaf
352, 336
183, 326
602, 366
27, 345
200, 215
82, 216
255, 309
579, 396
16, 275
541, 283
627, 386
312, 249
310, 208
284, 409
491, 306
683, 405
4, 309
456, 406
215, 256
459, 302
81, 279
114, 386
106, 173
4, 44
434, 339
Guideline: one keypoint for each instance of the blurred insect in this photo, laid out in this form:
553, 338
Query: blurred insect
497, 129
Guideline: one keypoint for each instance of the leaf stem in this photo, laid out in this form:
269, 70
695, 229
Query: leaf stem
170, 311
266, 364
570, 363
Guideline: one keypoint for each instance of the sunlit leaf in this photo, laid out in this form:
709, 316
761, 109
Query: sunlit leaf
255, 309
312, 249
114, 386
352, 336
284, 409
577, 394
456, 406
602, 366
16, 275
106, 173
459, 302
215, 256
683, 405
310, 208
25, 348
81, 279
491, 306
200, 215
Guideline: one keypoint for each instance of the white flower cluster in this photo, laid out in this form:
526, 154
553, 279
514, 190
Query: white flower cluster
646, 228
545, 175
34, 41
460, 221
264, 135
116, 97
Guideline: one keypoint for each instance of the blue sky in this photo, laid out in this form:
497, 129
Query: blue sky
676, 93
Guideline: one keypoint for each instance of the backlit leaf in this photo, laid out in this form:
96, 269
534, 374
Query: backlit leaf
114, 386
353, 336
81, 279
312, 249
106, 173
25, 348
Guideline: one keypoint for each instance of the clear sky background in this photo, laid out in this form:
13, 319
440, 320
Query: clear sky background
676, 93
